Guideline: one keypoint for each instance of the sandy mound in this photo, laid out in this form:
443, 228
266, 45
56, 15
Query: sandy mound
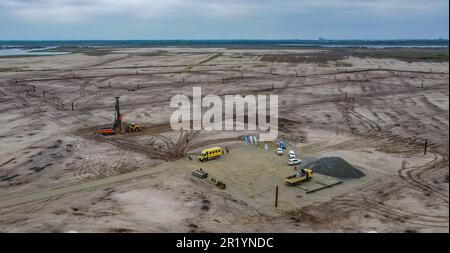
334, 167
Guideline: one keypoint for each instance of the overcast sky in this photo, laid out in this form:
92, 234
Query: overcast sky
223, 19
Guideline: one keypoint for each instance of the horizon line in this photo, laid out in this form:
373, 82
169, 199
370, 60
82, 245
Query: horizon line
241, 39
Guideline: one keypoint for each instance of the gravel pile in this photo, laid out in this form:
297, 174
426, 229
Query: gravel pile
334, 167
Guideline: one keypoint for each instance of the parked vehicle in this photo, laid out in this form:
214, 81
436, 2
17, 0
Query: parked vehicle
280, 151
294, 161
133, 127
210, 153
291, 154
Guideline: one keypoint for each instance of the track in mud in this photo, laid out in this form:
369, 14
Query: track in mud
371, 119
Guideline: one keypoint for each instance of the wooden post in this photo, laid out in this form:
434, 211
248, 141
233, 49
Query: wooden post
138, 86
223, 79
276, 196
425, 147
34, 88
72, 105
422, 85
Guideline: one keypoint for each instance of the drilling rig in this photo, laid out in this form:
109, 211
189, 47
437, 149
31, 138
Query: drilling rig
117, 127
118, 116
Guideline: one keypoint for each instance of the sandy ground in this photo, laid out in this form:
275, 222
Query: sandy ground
58, 175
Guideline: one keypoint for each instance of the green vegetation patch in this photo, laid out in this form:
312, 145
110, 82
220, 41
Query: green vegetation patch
210, 58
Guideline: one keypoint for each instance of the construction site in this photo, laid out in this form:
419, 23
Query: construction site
86, 144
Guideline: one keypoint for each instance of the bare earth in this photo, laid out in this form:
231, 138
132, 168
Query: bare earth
58, 175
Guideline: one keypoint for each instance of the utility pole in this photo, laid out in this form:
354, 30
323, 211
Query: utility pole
425, 147
276, 196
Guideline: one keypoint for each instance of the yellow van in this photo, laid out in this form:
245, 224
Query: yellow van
210, 153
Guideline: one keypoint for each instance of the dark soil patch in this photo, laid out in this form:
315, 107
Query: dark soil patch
39, 169
192, 225
121, 230
57, 144
8, 178
5, 163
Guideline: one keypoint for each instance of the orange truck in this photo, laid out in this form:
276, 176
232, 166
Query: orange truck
107, 131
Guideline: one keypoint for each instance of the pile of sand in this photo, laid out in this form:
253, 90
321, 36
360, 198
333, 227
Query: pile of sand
334, 167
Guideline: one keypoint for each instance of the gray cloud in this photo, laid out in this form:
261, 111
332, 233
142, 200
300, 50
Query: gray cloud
230, 18
82, 10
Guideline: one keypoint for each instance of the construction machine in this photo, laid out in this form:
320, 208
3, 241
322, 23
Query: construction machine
303, 175
133, 127
117, 127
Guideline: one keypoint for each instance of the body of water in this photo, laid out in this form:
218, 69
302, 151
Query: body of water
21, 51
35, 47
